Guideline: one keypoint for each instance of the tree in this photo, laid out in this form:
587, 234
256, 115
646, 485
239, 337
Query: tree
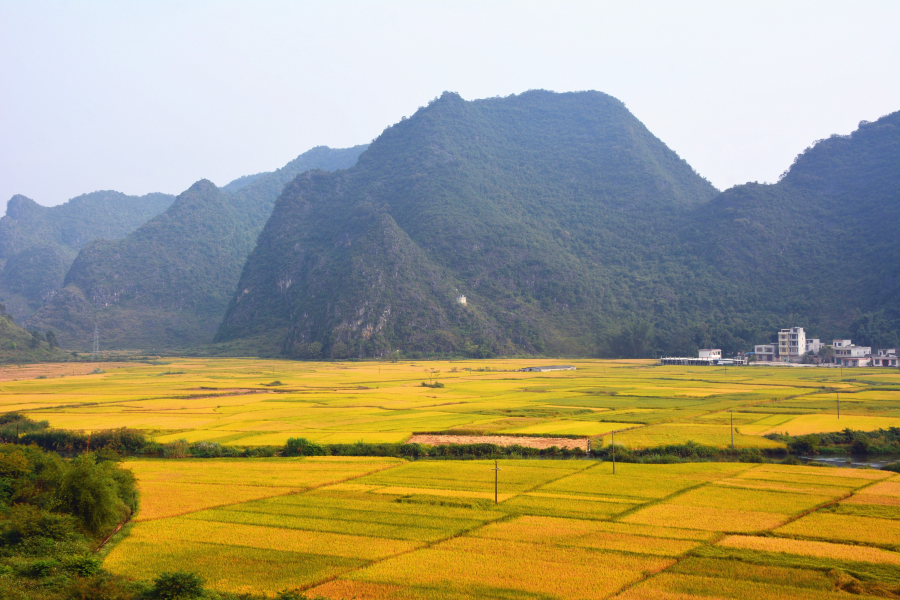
178, 585
51, 339
94, 494
36, 339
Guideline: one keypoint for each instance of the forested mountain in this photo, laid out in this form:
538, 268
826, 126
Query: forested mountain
571, 229
550, 212
320, 157
39, 243
166, 285
821, 248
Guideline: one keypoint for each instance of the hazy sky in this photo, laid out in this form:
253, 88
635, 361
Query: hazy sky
152, 96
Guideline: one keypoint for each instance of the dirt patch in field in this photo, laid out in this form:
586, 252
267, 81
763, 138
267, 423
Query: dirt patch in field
500, 440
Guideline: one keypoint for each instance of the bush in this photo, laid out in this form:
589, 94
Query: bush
179, 585
84, 565
100, 587
41, 567
302, 447
176, 449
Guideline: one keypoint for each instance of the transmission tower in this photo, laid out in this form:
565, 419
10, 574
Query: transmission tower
96, 351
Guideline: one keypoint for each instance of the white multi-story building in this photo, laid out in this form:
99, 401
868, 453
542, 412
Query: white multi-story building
711, 353
886, 358
791, 344
813, 346
848, 355
765, 352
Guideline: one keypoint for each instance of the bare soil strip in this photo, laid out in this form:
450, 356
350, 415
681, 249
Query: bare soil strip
500, 440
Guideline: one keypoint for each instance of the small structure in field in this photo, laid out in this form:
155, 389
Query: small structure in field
549, 368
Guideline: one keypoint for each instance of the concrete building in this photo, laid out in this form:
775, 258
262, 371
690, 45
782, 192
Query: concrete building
710, 353
791, 344
766, 352
461, 300
886, 358
813, 346
549, 368
848, 355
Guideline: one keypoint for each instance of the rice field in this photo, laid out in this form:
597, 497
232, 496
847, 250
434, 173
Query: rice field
249, 402
374, 528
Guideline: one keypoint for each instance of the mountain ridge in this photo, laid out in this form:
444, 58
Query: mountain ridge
167, 283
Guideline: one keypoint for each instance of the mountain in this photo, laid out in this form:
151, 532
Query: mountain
166, 285
320, 157
39, 243
554, 214
820, 248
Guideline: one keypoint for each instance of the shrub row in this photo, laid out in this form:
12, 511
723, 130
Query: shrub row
848, 441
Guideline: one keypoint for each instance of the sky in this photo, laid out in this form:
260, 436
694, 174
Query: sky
152, 96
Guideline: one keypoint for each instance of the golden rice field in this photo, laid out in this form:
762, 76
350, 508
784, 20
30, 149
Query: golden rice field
383, 528
264, 402
376, 529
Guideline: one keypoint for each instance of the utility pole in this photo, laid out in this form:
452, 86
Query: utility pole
732, 429
838, 394
496, 471
614, 451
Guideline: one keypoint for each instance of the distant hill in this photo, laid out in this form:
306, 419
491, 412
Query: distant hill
549, 211
39, 243
166, 285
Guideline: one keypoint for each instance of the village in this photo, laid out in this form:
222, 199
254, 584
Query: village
793, 347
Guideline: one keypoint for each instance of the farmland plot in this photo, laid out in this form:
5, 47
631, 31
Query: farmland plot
430, 529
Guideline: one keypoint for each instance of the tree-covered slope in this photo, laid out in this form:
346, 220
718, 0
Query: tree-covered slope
20, 346
821, 247
39, 243
548, 211
166, 285
320, 157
